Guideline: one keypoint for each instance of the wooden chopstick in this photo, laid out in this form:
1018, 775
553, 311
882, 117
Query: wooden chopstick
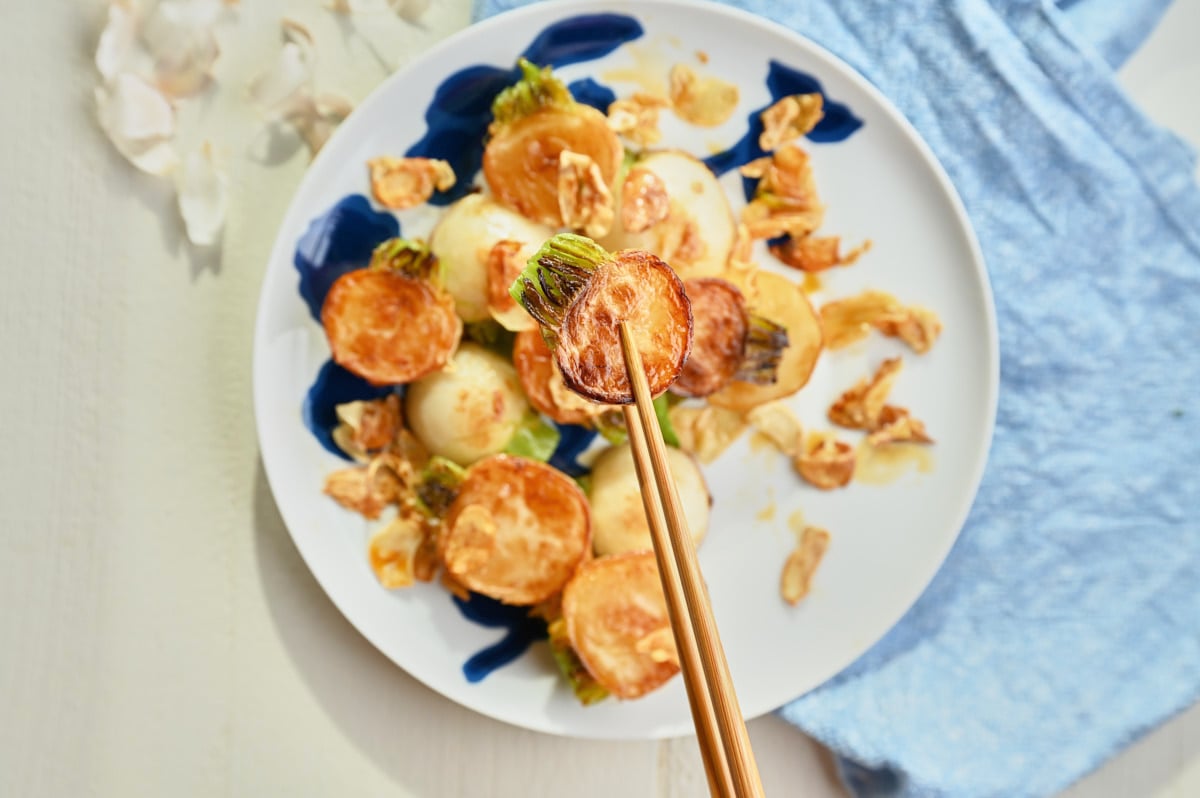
720, 729
716, 766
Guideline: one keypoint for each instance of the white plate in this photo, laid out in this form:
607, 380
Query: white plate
888, 540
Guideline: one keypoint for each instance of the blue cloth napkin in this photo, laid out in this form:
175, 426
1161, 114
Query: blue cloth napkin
1066, 621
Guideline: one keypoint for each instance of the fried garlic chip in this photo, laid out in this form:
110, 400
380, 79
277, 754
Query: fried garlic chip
848, 320
895, 425
790, 118
825, 462
861, 407
915, 326
504, 264
358, 489
400, 183
584, 199
704, 101
644, 200
706, 431
786, 200
778, 424
796, 580
636, 118
816, 253
395, 550
367, 427
388, 478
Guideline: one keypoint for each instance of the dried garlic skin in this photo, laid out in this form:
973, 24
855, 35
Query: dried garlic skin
139, 121
825, 462
202, 192
796, 580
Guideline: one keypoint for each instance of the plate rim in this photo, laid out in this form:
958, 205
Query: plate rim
558, 9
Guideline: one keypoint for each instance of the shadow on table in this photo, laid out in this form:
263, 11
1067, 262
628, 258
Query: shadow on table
420, 739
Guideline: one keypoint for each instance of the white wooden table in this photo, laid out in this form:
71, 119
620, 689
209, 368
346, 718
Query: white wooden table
159, 633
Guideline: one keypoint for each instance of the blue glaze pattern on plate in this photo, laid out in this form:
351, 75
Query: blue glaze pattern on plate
838, 123
332, 387
461, 109
589, 92
339, 241
522, 631
573, 441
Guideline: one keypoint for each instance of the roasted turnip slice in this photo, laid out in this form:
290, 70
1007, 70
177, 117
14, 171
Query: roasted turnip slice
543, 382
390, 323
617, 623
517, 530
580, 293
728, 341
779, 299
534, 121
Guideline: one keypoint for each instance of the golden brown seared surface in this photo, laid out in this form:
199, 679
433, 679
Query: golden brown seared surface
719, 326
638, 288
543, 383
521, 162
783, 302
617, 623
388, 328
517, 530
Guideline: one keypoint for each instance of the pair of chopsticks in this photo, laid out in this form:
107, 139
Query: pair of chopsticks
720, 729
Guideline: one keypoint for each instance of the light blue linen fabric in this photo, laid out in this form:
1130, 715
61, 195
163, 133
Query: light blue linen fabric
1066, 621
